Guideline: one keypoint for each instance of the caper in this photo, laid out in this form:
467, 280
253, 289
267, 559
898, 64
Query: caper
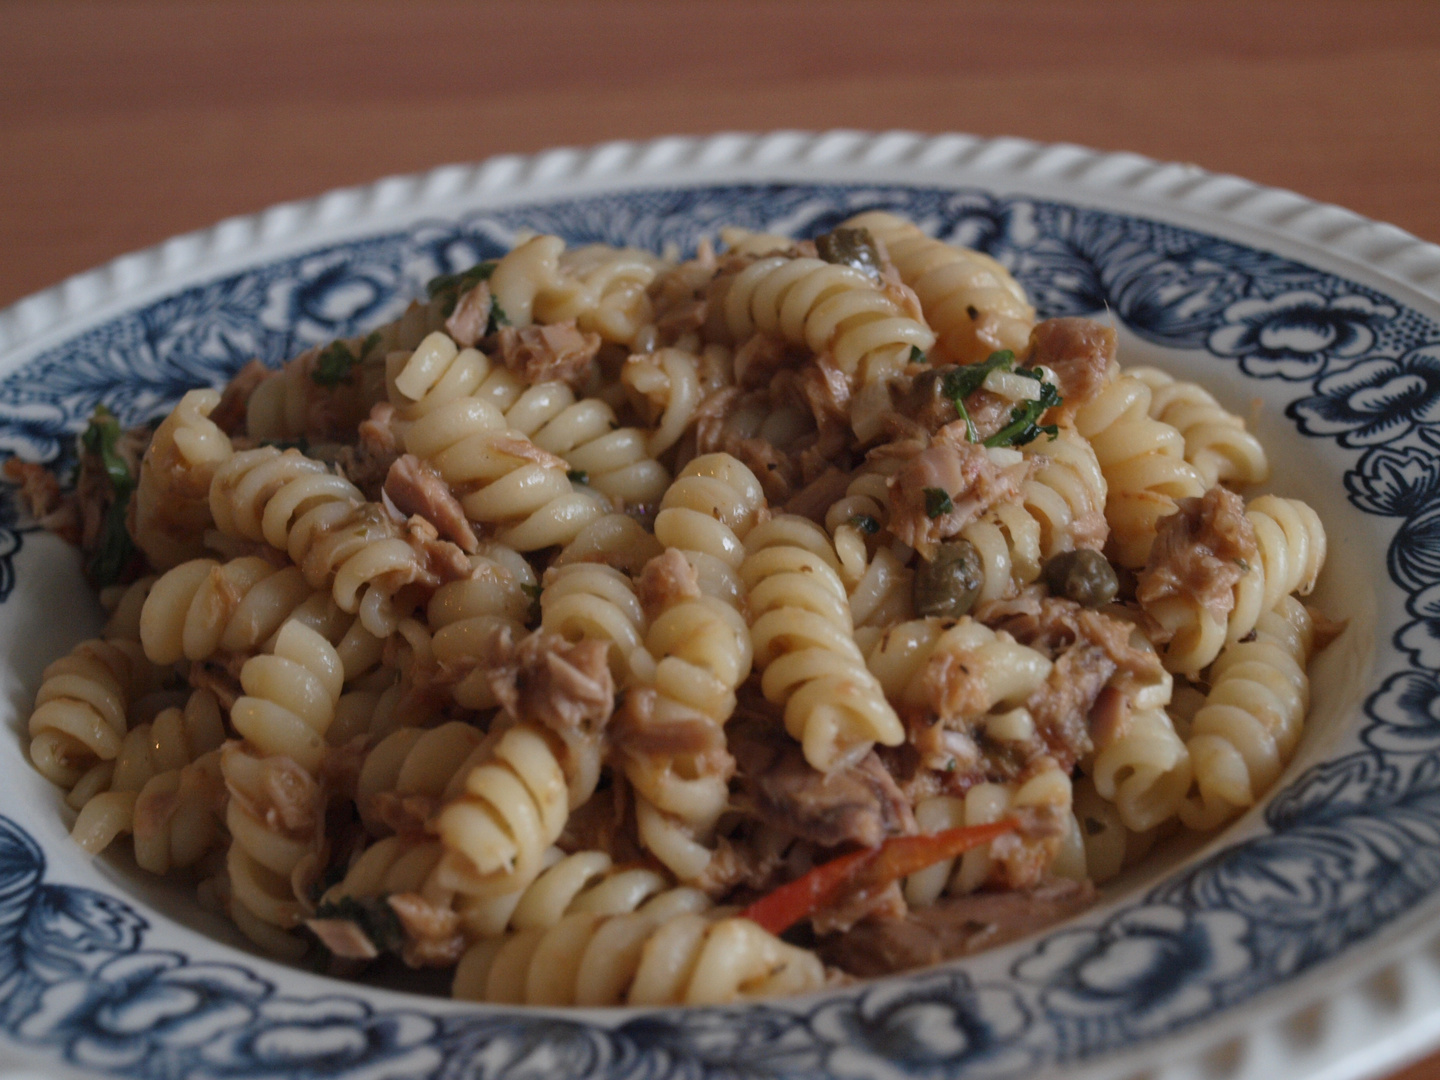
948, 585
850, 247
1082, 575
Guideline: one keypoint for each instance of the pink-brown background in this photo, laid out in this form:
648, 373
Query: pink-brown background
123, 122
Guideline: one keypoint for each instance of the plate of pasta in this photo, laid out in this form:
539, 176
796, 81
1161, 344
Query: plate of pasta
791, 605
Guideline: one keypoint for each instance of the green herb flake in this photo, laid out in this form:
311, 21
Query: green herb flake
448, 288
578, 476
498, 318
116, 551
959, 384
371, 342
917, 356
865, 523
1243, 565
937, 502
375, 918
334, 364
1023, 427
101, 437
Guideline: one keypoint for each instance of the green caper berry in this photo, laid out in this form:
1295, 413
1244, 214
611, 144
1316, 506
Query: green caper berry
1082, 575
850, 247
948, 585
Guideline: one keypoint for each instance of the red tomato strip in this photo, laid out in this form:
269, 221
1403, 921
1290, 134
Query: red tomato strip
896, 858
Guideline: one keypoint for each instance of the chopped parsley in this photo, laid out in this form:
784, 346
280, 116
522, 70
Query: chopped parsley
375, 918
336, 361
450, 287
959, 384
116, 550
498, 318
937, 502
865, 523
578, 476
1023, 428
916, 355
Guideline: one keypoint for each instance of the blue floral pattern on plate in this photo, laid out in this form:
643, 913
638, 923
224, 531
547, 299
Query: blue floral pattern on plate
1349, 846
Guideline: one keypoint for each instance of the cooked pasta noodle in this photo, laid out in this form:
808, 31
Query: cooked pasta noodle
1143, 462
172, 507
1290, 543
289, 701
1250, 723
665, 953
972, 303
1216, 441
833, 310
612, 591
805, 646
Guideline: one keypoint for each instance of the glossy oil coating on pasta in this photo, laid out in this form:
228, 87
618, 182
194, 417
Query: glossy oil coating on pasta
538, 633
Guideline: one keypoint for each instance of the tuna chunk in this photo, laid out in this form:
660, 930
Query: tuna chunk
1079, 351
947, 486
666, 580
415, 488
468, 322
555, 353
1200, 552
858, 805
565, 687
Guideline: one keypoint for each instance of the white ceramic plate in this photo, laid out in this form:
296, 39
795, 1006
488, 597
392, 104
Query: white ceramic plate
1297, 942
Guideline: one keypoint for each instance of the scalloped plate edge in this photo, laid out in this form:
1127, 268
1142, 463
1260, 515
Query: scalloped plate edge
1366, 1014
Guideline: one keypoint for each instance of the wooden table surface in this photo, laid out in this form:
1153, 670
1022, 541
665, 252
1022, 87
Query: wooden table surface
123, 122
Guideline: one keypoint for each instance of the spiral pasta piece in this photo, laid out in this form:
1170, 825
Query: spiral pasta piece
878, 582
1000, 673
1066, 496
585, 881
805, 645
79, 719
289, 702
1145, 772
696, 652
585, 433
1009, 862
164, 786
668, 382
172, 507
1250, 723
503, 480
1108, 845
511, 808
337, 539
973, 303
523, 274
825, 307
661, 954
706, 513
591, 601
602, 288
1291, 545
392, 864
466, 616
1142, 461
413, 771
203, 607
1216, 441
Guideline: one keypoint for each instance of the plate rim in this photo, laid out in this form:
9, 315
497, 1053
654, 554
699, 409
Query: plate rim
1145, 183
